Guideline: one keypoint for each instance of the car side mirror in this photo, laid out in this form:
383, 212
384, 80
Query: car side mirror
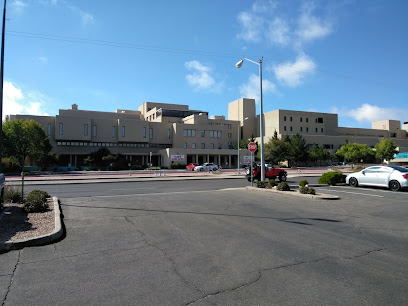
363, 172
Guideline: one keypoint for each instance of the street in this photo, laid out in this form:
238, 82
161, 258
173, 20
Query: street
212, 242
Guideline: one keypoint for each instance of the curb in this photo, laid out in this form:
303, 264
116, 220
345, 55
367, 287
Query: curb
41, 240
320, 196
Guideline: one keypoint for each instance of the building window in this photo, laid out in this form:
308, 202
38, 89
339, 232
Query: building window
85, 129
291, 119
219, 146
291, 129
144, 132
203, 146
215, 134
301, 129
316, 130
49, 129
94, 131
211, 146
185, 145
284, 118
168, 133
123, 131
307, 119
229, 135
307, 130
321, 130
113, 131
229, 126
301, 119
202, 133
151, 133
319, 120
61, 128
189, 133
284, 128
193, 145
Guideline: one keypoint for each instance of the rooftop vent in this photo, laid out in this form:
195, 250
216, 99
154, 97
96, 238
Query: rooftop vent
74, 107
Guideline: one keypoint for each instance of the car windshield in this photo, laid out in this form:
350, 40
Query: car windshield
400, 169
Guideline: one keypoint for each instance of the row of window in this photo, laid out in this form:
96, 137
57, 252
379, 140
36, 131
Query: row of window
94, 131
301, 129
194, 146
192, 133
111, 144
317, 120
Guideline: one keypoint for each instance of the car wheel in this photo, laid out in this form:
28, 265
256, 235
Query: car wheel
395, 186
353, 182
282, 178
201, 169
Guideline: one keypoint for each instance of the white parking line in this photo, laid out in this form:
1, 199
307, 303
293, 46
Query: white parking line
365, 194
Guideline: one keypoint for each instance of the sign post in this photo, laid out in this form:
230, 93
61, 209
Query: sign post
252, 148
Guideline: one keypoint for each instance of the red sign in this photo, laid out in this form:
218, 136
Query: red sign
252, 147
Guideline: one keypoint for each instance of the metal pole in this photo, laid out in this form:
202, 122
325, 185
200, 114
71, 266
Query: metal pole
1, 85
238, 148
261, 124
252, 164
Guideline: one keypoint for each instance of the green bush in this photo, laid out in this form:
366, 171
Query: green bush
283, 186
273, 183
332, 178
303, 183
260, 184
307, 190
12, 194
36, 201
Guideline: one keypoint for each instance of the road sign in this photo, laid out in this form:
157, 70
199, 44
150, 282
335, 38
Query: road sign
252, 147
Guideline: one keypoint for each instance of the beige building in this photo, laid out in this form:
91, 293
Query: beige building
166, 133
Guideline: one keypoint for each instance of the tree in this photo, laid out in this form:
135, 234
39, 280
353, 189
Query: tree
385, 149
298, 149
22, 139
317, 153
276, 150
355, 152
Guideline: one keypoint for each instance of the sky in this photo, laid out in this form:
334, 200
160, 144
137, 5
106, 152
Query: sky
346, 56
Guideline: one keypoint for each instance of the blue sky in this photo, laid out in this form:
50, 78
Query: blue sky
347, 57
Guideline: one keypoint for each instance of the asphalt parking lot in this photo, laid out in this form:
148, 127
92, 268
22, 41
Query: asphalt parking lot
215, 243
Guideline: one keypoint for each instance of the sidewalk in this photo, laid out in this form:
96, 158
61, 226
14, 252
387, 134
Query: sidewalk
146, 175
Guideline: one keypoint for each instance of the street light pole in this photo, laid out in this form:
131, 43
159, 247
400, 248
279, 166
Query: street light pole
238, 65
1, 81
239, 126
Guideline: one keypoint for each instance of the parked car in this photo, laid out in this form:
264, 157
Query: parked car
206, 167
191, 166
270, 172
392, 177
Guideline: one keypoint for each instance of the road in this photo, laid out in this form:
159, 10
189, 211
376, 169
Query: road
212, 242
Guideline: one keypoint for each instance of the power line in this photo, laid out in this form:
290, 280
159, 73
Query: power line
128, 45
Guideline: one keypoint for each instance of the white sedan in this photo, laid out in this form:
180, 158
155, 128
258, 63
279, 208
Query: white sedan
206, 167
392, 177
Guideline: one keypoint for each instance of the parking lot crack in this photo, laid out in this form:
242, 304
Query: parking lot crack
366, 253
169, 258
11, 279
246, 284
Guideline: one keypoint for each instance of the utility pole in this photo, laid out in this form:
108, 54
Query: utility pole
1, 85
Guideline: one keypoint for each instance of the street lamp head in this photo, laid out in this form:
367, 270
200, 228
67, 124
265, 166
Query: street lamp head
239, 64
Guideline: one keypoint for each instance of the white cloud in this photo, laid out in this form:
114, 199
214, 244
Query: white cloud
311, 27
251, 27
18, 4
86, 18
15, 102
43, 59
199, 76
264, 22
278, 32
370, 113
292, 74
251, 88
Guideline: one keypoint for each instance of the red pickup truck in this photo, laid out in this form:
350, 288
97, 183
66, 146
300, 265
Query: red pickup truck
270, 173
